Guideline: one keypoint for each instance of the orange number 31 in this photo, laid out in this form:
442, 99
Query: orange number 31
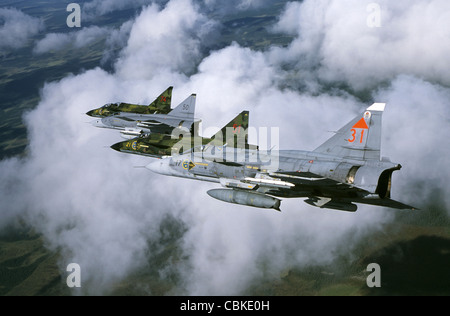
351, 140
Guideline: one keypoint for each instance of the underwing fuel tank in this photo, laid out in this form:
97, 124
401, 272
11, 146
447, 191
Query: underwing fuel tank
245, 198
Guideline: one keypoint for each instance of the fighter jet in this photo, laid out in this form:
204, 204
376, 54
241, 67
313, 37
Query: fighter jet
133, 124
345, 170
159, 145
160, 105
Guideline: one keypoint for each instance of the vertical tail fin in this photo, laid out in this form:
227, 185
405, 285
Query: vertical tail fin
359, 139
185, 109
235, 133
163, 101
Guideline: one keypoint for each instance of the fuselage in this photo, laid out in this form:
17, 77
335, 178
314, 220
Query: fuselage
149, 121
133, 125
121, 107
285, 173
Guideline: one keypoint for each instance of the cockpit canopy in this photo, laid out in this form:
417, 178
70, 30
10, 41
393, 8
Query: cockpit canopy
111, 105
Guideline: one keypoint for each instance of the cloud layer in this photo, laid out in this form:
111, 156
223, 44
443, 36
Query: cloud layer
74, 40
100, 212
167, 40
334, 36
17, 28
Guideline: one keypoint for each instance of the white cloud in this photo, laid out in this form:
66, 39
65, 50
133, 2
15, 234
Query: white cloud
96, 8
77, 39
17, 28
334, 38
52, 41
233, 6
116, 40
416, 118
90, 203
167, 40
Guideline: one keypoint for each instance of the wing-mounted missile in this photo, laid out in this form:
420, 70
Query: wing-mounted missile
236, 184
260, 184
246, 198
268, 182
148, 124
130, 133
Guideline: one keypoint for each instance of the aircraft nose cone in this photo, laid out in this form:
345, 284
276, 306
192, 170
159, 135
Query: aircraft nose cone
116, 146
90, 113
154, 166
158, 166
98, 123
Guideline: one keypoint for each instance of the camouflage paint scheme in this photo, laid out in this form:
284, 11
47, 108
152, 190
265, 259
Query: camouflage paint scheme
157, 145
135, 123
160, 105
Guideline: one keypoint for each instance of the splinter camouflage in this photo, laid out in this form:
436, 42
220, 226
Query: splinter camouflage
161, 105
234, 134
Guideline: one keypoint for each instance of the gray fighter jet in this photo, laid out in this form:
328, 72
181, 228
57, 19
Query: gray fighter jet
344, 170
134, 124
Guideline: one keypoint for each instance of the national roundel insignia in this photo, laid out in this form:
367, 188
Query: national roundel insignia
188, 165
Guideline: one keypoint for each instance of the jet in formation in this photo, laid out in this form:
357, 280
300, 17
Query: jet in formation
136, 120
344, 171
178, 142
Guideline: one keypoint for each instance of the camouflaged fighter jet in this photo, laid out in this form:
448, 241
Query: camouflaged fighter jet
160, 105
344, 170
137, 120
162, 145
